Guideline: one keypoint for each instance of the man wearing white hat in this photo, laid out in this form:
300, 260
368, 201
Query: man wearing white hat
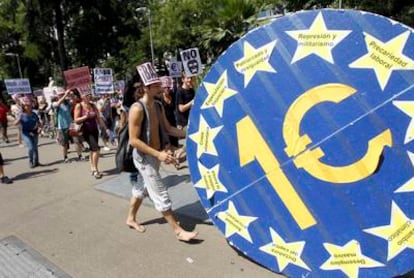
148, 130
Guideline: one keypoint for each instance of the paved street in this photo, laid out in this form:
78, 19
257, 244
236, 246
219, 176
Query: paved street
69, 222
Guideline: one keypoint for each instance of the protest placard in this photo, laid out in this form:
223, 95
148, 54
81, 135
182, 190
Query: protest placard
119, 85
103, 81
191, 61
147, 73
18, 86
175, 68
78, 77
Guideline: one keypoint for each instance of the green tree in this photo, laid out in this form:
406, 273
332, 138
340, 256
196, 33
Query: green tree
209, 25
11, 29
236, 17
55, 35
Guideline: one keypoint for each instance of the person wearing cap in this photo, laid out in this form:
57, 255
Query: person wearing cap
147, 138
31, 126
63, 108
89, 117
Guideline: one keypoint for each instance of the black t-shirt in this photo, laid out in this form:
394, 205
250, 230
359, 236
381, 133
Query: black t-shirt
169, 109
183, 97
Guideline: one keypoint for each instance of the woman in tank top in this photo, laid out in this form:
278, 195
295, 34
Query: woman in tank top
87, 114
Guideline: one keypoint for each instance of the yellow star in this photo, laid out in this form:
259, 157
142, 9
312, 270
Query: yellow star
408, 108
384, 58
217, 93
399, 234
210, 180
409, 185
317, 40
204, 138
285, 253
347, 258
254, 60
236, 223
406, 187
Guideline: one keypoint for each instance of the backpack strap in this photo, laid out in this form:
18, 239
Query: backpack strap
164, 139
145, 125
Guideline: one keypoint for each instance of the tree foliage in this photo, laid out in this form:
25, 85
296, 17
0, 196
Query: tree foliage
52, 36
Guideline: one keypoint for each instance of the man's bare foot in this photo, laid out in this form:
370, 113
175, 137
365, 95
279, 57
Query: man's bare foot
134, 225
186, 236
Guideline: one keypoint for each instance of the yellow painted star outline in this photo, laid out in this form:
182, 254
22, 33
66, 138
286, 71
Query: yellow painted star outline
399, 233
384, 58
217, 93
210, 180
236, 223
347, 258
204, 138
408, 108
255, 59
409, 185
317, 40
285, 252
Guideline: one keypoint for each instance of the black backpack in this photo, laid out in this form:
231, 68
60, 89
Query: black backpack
123, 157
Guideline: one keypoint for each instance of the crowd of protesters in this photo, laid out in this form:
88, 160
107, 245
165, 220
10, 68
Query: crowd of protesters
78, 117
100, 118
34, 117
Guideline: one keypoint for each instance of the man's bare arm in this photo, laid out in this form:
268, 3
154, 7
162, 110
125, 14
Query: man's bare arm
135, 119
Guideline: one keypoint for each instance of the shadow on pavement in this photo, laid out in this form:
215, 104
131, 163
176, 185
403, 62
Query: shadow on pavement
159, 220
194, 212
241, 254
8, 160
47, 143
186, 223
53, 162
111, 172
10, 145
106, 154
35, 174
173, 180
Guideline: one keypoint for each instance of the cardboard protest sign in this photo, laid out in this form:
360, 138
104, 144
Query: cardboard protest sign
103, 81
119, 85
300, 145
175, 68
18, 86
166, 82
78, 78
147, 73
49, 93
38, 92
191, 62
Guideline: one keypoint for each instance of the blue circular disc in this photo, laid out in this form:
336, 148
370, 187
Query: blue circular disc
300, 145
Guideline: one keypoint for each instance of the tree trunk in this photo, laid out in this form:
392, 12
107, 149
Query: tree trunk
60, 35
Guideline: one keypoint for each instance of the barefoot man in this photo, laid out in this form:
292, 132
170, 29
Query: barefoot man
148, 129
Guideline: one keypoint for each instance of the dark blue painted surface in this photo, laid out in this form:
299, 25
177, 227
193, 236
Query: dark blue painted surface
360, 228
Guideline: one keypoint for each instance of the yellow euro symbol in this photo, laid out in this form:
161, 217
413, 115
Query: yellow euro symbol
296, 145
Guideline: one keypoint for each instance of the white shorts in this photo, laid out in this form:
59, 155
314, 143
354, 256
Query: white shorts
152, 184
